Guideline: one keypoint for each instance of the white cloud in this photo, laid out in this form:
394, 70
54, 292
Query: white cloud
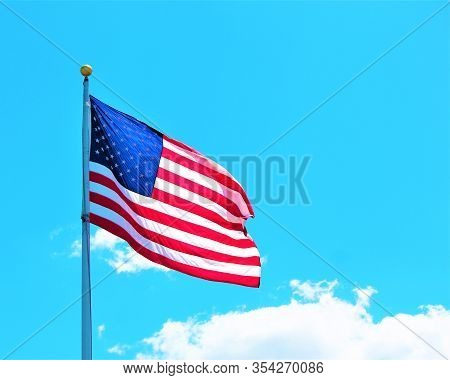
75, 249
119, 349
122, 258
312, 291
103, 239
55, 233
100, 330
127, 260
363, 296
315, 324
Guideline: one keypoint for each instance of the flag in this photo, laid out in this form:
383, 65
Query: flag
169, 202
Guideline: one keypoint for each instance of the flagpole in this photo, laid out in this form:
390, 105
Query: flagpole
86, 317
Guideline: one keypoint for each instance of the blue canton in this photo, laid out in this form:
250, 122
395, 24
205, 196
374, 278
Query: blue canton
128, 147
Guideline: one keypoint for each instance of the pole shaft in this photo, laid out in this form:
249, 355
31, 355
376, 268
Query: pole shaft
86, 318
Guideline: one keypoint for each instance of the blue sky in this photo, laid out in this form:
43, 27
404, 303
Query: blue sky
228, 78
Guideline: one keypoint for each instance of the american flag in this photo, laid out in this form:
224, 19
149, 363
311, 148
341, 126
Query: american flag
170, 203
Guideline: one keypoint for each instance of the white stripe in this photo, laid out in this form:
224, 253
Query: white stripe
172, 231
206, 181
156, 205
194, 261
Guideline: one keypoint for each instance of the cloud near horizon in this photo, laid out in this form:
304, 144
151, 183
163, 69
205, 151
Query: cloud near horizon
315, 324
118, 349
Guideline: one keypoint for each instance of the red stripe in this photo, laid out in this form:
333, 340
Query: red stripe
169, 242
222, 178
206, 274
201, 190
169, 220
194, 208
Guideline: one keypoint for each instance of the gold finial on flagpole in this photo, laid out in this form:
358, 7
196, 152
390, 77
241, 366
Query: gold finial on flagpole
86, 70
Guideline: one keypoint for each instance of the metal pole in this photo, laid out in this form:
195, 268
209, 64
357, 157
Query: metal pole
86, 317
